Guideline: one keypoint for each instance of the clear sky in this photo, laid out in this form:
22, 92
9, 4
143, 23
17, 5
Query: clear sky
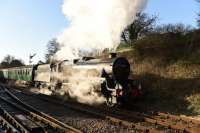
27, 25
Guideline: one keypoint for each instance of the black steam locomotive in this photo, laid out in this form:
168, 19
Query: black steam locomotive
112, 75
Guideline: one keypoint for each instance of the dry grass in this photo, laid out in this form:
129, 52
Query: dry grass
172, 87
168, 65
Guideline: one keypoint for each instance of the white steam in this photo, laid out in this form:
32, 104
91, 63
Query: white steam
95, 24
81, 83
85, 88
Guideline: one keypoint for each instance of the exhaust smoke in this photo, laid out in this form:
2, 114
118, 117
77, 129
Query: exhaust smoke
95, 25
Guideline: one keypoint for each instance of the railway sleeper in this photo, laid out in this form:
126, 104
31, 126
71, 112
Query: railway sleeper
177, 122
132, 125
6, 126
169, 125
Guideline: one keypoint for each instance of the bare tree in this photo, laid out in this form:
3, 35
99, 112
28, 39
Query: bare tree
198, 16
198, 20
52, 47
140, 27
173, 28
8, 59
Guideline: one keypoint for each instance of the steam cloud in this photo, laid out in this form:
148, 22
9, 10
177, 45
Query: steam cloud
95, 24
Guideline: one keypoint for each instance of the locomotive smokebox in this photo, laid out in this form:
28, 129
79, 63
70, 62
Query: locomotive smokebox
121, 69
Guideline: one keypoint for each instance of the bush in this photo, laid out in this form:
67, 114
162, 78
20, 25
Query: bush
170, 47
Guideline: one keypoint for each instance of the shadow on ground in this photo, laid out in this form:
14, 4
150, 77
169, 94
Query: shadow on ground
176, 96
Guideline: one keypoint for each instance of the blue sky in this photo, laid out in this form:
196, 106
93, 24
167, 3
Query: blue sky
27, 25
174, 11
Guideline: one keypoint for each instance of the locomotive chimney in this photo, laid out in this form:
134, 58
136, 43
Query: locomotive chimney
113, 55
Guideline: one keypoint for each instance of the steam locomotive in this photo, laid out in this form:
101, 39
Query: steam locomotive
111, 77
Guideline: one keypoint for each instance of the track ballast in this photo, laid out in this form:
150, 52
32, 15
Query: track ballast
91, 119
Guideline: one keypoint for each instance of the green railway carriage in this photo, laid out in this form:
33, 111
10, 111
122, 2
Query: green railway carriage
3, 73
17, 73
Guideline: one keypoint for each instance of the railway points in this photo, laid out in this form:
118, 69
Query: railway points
17, 116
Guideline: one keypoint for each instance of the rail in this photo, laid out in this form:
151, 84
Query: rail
12, 123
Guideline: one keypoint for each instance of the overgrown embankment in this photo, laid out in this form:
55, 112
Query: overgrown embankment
169, 66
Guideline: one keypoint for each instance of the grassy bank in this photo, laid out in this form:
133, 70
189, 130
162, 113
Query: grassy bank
169, 67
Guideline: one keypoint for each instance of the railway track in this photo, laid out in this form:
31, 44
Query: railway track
177, 123
146, 122
18, 117
153, 122
87, 122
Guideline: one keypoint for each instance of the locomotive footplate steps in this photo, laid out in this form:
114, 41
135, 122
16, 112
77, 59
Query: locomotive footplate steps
19, 117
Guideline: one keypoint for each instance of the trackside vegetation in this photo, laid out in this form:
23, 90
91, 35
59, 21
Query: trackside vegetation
168, 64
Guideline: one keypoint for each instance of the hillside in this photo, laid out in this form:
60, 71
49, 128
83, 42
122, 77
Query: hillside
169, 67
